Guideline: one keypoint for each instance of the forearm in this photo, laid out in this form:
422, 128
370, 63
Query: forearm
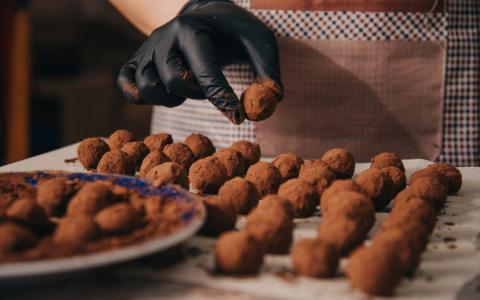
148, 15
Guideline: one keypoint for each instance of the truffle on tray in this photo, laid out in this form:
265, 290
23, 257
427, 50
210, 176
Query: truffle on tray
221, 216
241, 193
180, 153
207, 175
387, 159
265, 176
302, 194
137, 151
168, 173
200, 145
288, 164
152, 160
156, 142
341, 161
90, 151
315, 258
232, 160
250, 151
119, 138
116, 162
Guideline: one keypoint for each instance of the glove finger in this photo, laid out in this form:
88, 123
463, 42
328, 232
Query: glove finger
127, 83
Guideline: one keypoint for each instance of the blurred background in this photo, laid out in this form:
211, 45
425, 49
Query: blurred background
58, 64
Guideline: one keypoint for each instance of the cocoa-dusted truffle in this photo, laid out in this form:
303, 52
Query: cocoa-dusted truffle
238, 253
320, 177
336, 187
241, 193
374, 271
153, 206
345, 234
314, 163
288, 164
398, 178
119, 138
76, 230
53, 195
315, 258
429, 172
265, 177
454, 176
378, 185
28, 212
152, 160
168, 173
180, 153
137, 151
232, 160
275, 200
250, 151
117, 218
90, 151
414, 230
92, 197
116, 162
387, 159
303, 196
156, 142
207, 175
200, 145
272, 226
341, 161
431, 189
410, 210
221, 216
259, 101
15, 237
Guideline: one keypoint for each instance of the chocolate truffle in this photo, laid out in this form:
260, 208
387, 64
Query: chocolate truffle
168, 173
116, 162
207, 175
454, 177
272, 226
238, 253
117, 218
413, 209
315, 258
429, 172
345, 234
156, 142
221, 216
303, 196
259, 102
265, 177
92, 197
90, 151
314, 163
180, 153
414, 230
374, 271
119, 138
387, 159
153, 207
137, 151
320, 177
241, 193
398, 178
15, 238
378, 186
53, 195
76, 230
431, 189
152, 160
250, 151
275, 200
200, 145
232, 160
341, 161
28, 212
288, 164
336, 187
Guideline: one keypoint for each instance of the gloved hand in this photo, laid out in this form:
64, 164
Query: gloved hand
183, 59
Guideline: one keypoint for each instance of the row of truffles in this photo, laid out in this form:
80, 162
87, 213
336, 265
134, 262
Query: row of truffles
70, 214
396, 249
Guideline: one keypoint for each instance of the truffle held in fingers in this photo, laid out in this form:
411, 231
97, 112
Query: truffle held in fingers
259, 102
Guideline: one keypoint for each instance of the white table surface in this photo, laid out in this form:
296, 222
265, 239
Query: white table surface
449, 270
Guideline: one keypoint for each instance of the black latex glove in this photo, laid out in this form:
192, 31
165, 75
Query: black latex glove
183, 59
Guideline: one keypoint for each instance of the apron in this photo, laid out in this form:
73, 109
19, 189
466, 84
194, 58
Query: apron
369, 76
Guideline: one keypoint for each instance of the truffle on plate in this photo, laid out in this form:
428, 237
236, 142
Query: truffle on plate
378, 185
168, 173
90, 151
341, 161
398, 178
232, 160
431, 189
117, 218
116, 162
137, 151
320, 177
345, 234
200, 145
28, 212
53, 195
259, 101
454, 176
221, 216
119, 138
156, 142
207, 175
238, 253
265, 177
241, 193
302, 194
315, 258
180, 153
250, 151
336, 187
15, 237
76, 230
288, 164
92, 197
387, 159
152, 160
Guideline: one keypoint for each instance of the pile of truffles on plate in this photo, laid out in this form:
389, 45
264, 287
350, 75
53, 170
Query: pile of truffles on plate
271, 195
